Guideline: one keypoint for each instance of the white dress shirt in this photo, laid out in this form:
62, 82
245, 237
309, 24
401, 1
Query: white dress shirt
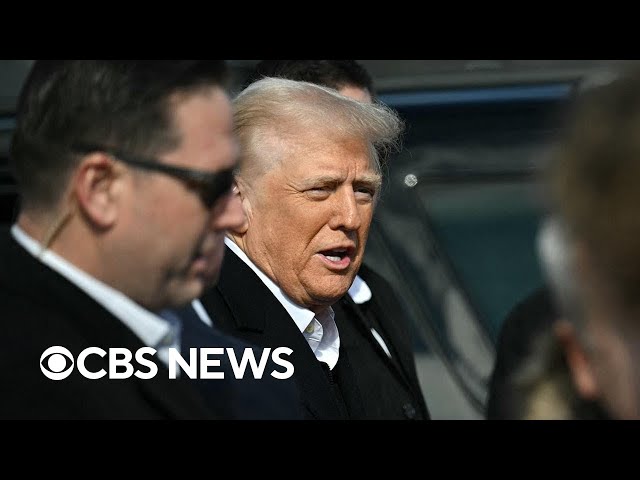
320, 331
151, 329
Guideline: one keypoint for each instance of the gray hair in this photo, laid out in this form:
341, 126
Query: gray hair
274, 111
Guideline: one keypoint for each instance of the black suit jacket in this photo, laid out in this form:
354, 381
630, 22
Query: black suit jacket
40, 309
243, 306
245, 398
389, 386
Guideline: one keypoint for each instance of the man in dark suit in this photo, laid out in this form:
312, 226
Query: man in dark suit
371, 304
124, 170
309, 180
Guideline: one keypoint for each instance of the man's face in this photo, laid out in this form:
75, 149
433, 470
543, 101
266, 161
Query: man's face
309, 217
174, 241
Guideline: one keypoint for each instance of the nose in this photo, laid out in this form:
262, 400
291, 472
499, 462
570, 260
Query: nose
346, 215
228, 215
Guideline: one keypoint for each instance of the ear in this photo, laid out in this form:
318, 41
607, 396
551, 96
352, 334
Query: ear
239, 189
579, 364
95, 186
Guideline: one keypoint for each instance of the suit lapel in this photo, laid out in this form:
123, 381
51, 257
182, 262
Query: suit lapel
403, 356
261, 319
386, 308
364, 326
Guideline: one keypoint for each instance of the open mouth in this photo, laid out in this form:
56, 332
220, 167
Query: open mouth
339, 258
335, 255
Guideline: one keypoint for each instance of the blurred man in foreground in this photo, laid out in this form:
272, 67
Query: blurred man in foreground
591, 250
124, 170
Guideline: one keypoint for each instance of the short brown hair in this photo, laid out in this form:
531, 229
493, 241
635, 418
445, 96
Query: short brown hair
595, 180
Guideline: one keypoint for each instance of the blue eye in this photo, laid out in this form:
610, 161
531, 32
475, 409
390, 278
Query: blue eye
56, 363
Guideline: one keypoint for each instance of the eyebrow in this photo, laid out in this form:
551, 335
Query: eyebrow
372, 179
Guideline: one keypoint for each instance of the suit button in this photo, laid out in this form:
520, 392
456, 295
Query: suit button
409, 411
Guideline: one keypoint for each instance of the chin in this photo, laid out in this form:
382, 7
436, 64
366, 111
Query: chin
329, 296
188, 292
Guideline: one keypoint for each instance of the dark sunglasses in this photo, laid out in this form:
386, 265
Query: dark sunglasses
210, 186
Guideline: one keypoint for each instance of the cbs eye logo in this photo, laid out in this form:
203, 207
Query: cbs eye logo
56, 363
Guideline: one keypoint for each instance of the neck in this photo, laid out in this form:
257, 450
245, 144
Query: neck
66, 236
320, 310
238, 240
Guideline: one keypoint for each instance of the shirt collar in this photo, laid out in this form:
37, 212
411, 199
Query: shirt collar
300, 315
359, 291
148, 327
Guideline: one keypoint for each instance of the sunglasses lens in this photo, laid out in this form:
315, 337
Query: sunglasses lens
219, 188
